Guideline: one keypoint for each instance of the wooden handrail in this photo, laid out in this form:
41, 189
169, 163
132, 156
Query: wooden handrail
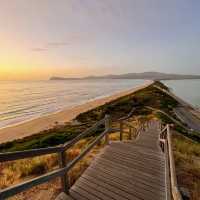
127, 116
129, 125
175, 192
10, 156
166, 146
131, 128
170, 117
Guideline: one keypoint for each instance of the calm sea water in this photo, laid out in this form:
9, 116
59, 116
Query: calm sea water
25, 100
189, 90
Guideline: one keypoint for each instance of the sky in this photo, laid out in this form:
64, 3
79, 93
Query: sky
75, 38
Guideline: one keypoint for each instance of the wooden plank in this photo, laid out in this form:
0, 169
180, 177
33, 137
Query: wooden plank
77, 196
143, 152
134, 156
103, 190
28, 153
129, 171
129, 161
91, 192
133, 165
139, 159
152, 176
140, 148
124, 182
63, 196
120, 173
116, 192
85, 193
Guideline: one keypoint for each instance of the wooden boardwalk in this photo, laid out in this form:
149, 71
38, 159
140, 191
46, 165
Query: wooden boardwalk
133, 170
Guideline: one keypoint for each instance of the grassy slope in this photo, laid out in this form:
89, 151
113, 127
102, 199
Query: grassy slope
187, 160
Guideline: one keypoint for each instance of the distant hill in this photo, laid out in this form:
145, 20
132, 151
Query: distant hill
144, 75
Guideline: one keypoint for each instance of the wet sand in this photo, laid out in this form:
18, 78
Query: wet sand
46, 122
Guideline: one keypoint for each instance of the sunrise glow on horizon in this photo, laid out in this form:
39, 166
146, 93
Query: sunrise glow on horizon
72, 38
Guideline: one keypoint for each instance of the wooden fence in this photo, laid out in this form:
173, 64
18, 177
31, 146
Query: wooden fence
64, 164
166, 146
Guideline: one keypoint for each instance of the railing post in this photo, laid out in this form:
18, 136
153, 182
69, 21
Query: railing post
107, 127
121, 130
160, 126
134, 133
143, 127
130, 133
65, 178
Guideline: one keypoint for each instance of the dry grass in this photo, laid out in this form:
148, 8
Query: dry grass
13, 172
187, 160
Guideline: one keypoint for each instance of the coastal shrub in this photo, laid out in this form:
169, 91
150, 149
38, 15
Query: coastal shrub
36, 167
192, 135
164, 118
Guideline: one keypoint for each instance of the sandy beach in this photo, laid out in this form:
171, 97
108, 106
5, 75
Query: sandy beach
36, 125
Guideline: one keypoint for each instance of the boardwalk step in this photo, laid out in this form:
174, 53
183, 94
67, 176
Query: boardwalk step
63, 196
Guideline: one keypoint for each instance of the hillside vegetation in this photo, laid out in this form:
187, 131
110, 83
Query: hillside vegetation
187, 161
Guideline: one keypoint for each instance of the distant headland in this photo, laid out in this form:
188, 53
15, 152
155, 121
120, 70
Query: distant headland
144, 75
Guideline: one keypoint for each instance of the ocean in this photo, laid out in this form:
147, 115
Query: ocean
25, 100
188, 90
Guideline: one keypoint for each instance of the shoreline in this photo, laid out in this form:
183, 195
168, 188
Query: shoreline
37, 125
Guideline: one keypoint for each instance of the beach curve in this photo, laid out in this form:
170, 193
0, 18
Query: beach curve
46, 122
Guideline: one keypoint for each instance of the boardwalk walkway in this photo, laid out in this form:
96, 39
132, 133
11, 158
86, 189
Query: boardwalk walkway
133, 170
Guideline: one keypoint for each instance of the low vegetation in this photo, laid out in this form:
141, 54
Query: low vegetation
187, 161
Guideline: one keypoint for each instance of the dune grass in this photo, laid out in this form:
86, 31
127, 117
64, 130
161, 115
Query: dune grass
187, 161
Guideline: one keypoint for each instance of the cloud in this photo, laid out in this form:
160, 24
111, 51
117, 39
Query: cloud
57, 44
50, 45
38, 49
